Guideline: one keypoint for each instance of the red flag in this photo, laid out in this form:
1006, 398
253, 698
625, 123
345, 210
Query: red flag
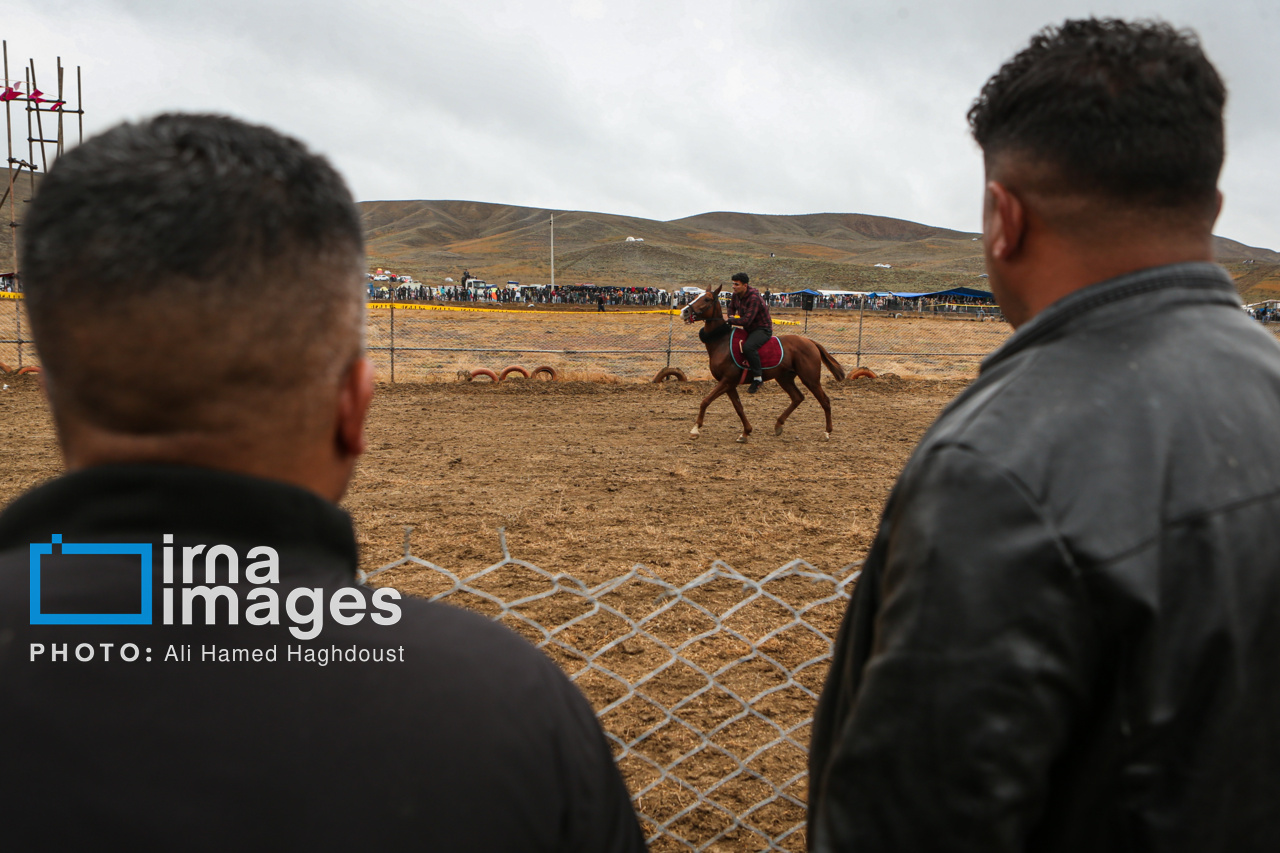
57, 105
10, 94
35, 96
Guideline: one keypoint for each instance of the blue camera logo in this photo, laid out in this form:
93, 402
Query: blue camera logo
142, 617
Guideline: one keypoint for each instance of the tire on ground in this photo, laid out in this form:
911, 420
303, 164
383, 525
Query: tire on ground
484, 371
669, 372
861, 372
514, 368
551, 372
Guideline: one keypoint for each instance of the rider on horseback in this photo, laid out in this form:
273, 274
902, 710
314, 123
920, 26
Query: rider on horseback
747, 309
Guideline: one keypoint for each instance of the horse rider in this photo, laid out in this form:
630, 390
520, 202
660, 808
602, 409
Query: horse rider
747, 309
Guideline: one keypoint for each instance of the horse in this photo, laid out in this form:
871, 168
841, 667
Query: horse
802, 357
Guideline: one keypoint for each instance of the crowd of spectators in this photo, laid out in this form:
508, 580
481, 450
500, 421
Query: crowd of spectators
10, 282
1265, 312
409, 290
590, 294
885, 302
526, 295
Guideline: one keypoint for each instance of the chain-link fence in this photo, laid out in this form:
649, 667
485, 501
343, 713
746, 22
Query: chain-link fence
418, 342
16, 348
706, 690
433, 341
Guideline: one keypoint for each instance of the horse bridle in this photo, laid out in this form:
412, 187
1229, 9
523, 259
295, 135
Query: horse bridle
703, 313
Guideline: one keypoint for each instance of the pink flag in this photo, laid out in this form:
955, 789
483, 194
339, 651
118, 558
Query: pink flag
10, 94
57, 105
35, 96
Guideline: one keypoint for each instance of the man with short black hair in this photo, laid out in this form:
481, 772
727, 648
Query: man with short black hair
1064, 635
748, 310
195, 295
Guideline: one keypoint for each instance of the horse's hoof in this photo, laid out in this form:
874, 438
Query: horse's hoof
695, 432
742, 439
777, 430
826, 436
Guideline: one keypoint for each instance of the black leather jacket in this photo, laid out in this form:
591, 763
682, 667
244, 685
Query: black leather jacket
1067, 632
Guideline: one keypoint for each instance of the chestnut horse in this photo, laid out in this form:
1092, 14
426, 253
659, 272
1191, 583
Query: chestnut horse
801, 357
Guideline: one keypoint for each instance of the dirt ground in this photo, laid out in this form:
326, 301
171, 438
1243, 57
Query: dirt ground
592, 478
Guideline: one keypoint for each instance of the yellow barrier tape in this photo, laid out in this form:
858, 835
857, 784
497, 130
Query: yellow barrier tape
782, 322
416, 307
413, 307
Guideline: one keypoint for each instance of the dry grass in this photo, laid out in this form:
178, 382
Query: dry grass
633, 345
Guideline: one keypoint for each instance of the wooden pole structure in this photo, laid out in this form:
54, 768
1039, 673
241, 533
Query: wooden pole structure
60, 99
31, 140
33, 107
35, 135
8, 127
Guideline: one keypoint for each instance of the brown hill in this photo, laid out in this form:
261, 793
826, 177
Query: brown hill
435, 239
1228, 251
1256, 281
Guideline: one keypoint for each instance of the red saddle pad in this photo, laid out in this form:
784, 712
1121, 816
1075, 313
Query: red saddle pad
770, 353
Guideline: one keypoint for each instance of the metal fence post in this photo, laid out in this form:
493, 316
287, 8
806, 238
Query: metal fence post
17, 318
671, 325
862, 309
393, 344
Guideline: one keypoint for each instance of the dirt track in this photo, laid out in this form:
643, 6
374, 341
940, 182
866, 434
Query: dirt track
592, 478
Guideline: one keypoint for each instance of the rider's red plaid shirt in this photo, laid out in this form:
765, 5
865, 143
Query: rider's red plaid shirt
751, 309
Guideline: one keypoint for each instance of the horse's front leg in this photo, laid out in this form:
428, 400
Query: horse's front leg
742, 415
721, 386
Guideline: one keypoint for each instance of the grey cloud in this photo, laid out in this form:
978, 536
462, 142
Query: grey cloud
663, 109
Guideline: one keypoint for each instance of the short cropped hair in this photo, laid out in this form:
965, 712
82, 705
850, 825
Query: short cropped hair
1127, 111
740, 276
188, 259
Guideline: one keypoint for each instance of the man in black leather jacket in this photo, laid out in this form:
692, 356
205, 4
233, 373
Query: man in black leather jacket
1066, 635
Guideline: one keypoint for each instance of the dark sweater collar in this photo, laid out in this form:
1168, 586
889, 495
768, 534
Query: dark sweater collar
1199, 281
143, 502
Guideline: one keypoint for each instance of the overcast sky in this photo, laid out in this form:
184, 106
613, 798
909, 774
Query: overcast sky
660, 109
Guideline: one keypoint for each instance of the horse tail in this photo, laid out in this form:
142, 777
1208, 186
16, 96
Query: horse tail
829, 360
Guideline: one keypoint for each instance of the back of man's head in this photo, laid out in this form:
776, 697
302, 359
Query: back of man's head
1125, 115
194, 275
